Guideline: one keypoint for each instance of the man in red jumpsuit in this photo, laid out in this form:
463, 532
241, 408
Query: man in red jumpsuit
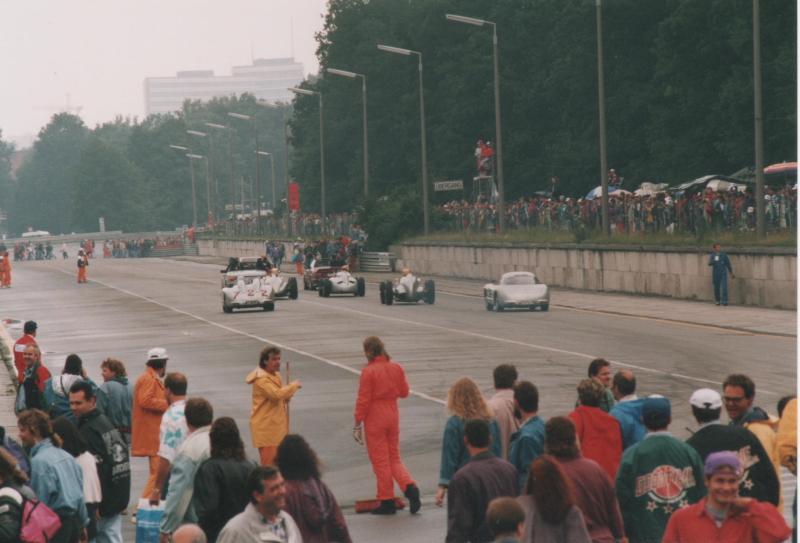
29, 337
5, 271
382, 383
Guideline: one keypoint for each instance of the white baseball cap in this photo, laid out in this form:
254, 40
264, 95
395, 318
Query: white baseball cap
157, 354
705, 398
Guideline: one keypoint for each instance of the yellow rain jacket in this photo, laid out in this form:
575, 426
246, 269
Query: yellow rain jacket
268, 421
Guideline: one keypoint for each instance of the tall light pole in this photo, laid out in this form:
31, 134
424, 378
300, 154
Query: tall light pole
258, 175
191, 168
761, 208
209, 173
285, 144
408, 52
233, 187
272, 165
602, 105
321, 154
366, 140
501, 198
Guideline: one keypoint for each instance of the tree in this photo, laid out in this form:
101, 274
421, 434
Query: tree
6, 179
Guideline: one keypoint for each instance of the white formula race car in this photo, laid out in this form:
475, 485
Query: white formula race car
282, 287
408, 289
248, 292
342, 283
516, 290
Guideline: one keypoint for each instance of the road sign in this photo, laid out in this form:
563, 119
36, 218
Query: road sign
102, 224
448, 185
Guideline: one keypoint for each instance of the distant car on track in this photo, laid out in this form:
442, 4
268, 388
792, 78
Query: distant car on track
246, 267
283, 288
408, 289
520, 290
247, 292
317, 271
342, 283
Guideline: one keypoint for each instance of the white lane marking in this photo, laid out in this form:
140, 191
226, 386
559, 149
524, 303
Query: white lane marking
522, 343
251, 336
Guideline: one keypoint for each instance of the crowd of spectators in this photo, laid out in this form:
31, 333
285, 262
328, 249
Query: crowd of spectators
138, 248
297, 223
722, 211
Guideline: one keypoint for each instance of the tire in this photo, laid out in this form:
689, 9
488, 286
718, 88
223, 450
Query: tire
362, 287
226, 308
293, 288
389, 293
319, 288
497, 306
269, 306
545, 307
326, 288
430, 292
382, 292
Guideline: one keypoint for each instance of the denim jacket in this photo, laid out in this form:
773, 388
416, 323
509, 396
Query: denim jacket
454, 452
57, 480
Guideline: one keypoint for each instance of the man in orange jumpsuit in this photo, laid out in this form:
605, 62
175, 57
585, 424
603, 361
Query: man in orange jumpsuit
5, 271
149, 404
382, 383
82, 263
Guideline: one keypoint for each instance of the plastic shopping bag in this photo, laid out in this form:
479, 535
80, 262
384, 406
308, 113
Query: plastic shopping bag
148, 521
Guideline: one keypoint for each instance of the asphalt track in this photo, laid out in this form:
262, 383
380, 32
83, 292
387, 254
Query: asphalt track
130, 306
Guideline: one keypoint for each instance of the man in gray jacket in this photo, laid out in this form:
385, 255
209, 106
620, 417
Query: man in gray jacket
115, 399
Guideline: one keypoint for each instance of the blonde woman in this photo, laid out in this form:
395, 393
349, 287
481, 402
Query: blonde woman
464, 402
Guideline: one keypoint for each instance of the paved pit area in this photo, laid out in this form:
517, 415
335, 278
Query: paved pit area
132, 305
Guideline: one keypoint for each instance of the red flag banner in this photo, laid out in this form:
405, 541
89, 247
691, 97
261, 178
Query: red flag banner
294, 197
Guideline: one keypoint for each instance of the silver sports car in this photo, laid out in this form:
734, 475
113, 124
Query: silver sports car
516, 290
247, 292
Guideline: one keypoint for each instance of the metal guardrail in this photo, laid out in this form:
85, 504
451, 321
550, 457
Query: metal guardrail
186, 250
377, 262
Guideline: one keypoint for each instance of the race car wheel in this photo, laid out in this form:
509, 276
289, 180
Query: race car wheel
489, 306
389, 293
326, 288
269, 306
292, 288
319, 288
362, 286
430, 292
545, 307
382, 291
226, 309
497, 306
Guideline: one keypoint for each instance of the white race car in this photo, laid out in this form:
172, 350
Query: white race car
248, 292
516, 290
342, 283
283, 288
408, 289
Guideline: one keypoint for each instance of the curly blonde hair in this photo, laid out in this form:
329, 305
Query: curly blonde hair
466, 401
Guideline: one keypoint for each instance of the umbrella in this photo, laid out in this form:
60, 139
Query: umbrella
598, 192
786, 168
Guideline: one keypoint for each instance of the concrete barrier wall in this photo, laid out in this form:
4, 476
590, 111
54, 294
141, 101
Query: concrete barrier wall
765, 277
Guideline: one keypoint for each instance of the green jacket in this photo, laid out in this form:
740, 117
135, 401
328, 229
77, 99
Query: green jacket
657, 476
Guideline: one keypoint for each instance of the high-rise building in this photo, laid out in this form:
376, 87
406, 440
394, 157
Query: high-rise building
267, 79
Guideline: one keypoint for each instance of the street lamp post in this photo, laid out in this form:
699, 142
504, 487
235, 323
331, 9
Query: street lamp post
321, 154
366, 140
258, 175
602, 107
209, 173
191, 169
272, 166
233, 187
408, 52
501, 198
285, 145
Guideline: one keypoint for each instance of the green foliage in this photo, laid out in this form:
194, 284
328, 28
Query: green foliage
106, 184
678, 86
7, 185
391, 218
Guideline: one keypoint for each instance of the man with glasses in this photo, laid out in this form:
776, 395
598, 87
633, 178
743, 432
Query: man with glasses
739, 394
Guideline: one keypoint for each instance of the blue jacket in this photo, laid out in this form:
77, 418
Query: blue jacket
116, 402
454, 452
721, 264
629, 415
57, 480
56, 395
526, 445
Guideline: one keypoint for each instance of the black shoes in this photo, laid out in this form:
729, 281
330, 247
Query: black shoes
412, 493
724, 303
717, 303
387, 507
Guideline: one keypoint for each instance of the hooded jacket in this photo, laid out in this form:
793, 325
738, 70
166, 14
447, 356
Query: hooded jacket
629, 415
56, 395
149, 404
600, 437
314, 508
268, 423
116, 401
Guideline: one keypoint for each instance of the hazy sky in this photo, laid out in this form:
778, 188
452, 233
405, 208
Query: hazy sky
100, 51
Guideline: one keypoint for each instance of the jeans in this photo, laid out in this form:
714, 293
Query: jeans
721, 284
109, 530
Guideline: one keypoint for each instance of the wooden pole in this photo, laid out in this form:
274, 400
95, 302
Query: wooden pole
288, 380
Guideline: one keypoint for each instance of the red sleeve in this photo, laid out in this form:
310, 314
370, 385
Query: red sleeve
44, 375
768, 524
402, 383
364, 396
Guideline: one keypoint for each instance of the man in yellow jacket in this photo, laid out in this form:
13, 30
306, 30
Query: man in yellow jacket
268, 421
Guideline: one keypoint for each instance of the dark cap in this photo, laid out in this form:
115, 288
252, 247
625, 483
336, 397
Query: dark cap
658, 406
30, 326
